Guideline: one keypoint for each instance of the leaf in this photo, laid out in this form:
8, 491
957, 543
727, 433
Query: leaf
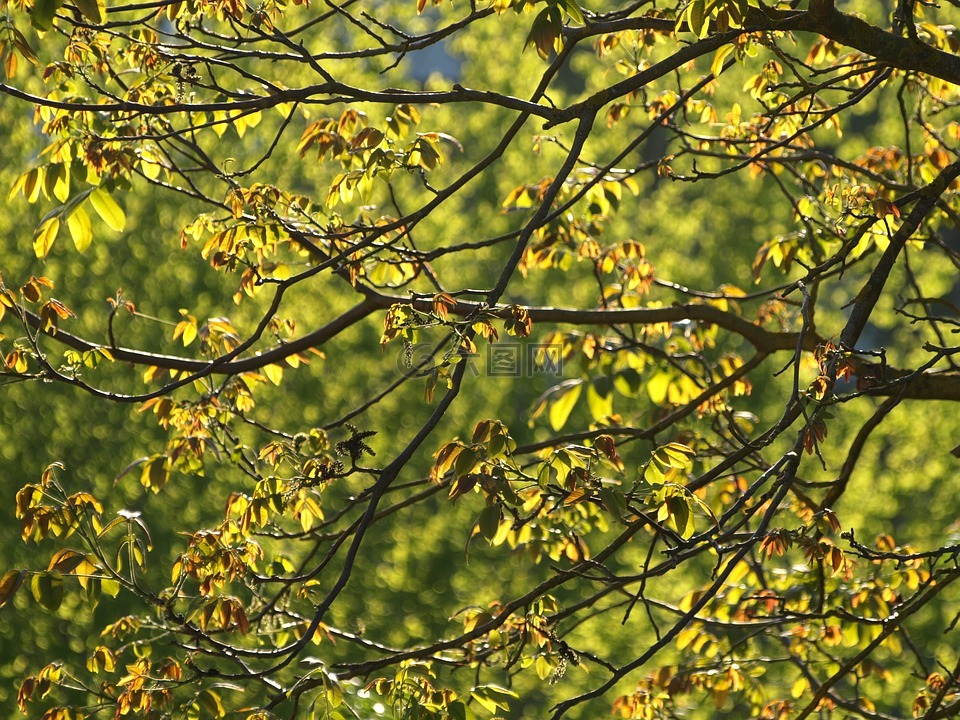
93, 10
78, 222
31, 184
10, 65
110, 586
613, 502
20, 42
44, 12
543, 666
489, 521
47, 589
718, 59
457, 710
658, 386
61, 183
211, 704
108, 210
546, 32
607, 445
563, 403
493, 697
600, 398
628, 382
151, 164
45, 235
334, 693
274, 373
676, 455
698, 18
11, 581
155, 473
678, 511
573, 10
66, 561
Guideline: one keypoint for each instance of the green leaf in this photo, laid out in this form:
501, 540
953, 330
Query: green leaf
78, 223
628, 382
493, 697
465, 462
47, 589
61, 187
544, 666
653, 474
573, 10
156, 473
457, 710
50, 177
43, 12
697, 17
108, 210
211, 704
676, 455
93, 590
658, 385
334, 693
613, 502
563, 404
93, 10
600, 398
489, 521
680, 515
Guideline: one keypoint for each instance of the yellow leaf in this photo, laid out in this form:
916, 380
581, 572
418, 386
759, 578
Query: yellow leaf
189, 333
274, 373
10, 65
563, 404
150, 163
78, 223
61, 186
108, 210
46, 234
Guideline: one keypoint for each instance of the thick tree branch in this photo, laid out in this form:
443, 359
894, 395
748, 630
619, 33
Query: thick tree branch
222, 365
894, 50
870, 293
764, 340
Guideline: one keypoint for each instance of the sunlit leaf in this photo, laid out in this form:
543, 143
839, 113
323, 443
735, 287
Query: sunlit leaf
562, 403
45, 235
108, 210
78, 223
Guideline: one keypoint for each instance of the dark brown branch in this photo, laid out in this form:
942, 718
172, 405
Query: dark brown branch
894, 50
332, 92
218, 366
870, 293
764, 340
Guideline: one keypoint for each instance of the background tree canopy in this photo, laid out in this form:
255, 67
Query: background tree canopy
465, 360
